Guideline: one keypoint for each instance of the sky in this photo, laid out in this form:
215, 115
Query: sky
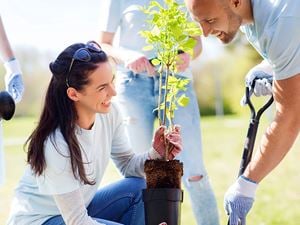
55, 24
50, 24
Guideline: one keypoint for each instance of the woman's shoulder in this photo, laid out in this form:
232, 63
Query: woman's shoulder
55, 146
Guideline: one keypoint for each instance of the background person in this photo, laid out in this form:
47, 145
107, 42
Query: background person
137, 88
13, 83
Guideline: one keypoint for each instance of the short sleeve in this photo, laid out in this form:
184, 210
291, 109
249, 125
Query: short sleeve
284, 49
57, 177
110, 15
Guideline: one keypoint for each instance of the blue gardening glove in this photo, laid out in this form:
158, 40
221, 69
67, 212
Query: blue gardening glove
13, 80
239, 199
263, 76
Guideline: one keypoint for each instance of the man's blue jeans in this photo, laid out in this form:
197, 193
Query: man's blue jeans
137, 95
116, 204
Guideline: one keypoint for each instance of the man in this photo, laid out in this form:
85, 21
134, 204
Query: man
13, 82
272, 27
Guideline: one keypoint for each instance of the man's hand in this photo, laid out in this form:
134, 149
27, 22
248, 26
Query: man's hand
263, 76
139, 65
13, 80
239, 199
161, 139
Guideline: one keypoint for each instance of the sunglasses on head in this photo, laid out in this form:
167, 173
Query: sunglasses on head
83, 55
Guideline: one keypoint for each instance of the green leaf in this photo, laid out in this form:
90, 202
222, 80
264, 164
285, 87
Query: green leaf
155, 4
183, 100
155, 62
189, 44
148, 48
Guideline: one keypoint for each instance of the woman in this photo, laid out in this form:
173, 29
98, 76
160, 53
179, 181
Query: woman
79, 129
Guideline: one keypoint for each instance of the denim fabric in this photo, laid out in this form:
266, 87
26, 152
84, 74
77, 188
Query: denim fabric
137, 97
116, 204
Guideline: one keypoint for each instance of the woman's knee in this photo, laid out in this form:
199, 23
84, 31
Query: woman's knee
138, 182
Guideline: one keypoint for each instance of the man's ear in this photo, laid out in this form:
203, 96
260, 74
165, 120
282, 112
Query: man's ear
235, 3
73, 94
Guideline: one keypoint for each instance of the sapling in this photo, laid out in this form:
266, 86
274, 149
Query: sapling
169, 33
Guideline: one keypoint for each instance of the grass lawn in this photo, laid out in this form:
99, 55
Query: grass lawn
278, 197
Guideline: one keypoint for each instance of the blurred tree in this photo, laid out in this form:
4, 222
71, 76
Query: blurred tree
230, 68
36, 76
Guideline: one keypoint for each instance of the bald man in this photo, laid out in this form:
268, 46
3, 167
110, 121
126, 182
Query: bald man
272, 27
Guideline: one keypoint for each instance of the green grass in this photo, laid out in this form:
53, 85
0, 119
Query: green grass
278, 197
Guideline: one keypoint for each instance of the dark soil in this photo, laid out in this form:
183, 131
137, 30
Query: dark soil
163, 174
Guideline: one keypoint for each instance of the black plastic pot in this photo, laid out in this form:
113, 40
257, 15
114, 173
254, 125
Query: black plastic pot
7, 105
162, 205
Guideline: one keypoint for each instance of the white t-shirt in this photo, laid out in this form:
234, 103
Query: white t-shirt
126, 15
275, 34
33, 203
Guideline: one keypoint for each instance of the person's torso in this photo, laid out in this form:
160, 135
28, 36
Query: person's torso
266, 15
134, 20
32, 207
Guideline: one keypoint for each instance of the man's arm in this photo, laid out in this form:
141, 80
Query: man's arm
133, 60
106, 42
5, 49
281, 133
13, 76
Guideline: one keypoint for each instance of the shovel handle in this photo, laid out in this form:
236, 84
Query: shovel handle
251, 135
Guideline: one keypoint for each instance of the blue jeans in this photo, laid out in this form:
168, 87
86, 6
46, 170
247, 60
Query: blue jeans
115, 204
137, 96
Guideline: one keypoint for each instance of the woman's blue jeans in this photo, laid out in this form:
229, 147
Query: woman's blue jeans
137, 95
115, 204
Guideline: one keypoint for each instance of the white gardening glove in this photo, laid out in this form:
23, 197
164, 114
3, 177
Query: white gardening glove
263, 76
238, 200
13, 80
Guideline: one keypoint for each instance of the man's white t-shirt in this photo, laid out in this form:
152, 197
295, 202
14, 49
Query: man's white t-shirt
33, 203
275, 34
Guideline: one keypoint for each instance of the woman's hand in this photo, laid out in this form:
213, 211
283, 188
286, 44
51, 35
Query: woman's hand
162, 139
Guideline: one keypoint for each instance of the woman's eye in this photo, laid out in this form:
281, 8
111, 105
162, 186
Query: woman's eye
211, 20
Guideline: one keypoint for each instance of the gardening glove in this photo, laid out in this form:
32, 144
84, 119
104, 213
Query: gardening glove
13, 80
183, 61
173, 141
263, 76
239, 199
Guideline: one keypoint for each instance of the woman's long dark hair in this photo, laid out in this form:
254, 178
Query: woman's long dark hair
59, 111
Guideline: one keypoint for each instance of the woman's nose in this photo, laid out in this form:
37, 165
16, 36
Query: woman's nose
112, 90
